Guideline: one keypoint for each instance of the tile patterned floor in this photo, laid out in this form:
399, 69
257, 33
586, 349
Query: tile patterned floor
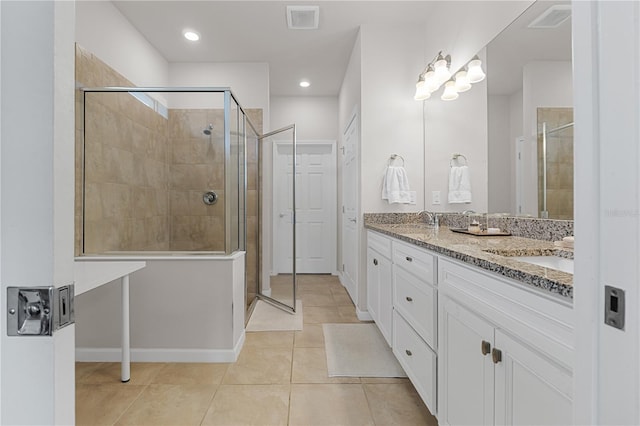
280, 378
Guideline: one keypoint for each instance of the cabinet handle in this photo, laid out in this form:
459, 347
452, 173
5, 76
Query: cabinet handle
375, 262
408, 352
409, 299
409, 259
486, 347
496, 354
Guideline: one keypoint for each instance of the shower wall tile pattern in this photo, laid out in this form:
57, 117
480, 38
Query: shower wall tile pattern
146, 174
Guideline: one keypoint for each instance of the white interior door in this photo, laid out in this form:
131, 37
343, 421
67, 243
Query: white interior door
315, 207
350, 178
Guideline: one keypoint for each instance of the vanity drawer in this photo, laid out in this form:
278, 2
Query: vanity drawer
379, 243
417, 359
416, 301
415, 260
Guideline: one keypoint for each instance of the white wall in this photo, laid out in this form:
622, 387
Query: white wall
544, 84
248, 81
105, 32
316, 117
515, 131
500, 156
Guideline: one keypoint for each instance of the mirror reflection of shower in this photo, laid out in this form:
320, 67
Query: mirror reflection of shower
555, 163
208, 129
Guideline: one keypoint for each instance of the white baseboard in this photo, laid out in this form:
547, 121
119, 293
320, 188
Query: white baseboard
161, 355
363, 315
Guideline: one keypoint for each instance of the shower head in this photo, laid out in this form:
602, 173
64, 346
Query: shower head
208, 129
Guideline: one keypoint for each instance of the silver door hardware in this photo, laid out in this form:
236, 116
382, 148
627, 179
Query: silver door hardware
614, 307
39, 311
209, 198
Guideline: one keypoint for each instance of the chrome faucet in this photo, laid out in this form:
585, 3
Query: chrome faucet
468, 212
432, 218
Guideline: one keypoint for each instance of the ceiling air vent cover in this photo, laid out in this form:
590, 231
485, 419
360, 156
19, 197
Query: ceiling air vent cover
552, 17
303, 17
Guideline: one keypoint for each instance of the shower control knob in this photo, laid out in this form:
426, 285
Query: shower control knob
209, 198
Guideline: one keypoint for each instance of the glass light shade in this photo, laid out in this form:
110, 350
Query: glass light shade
462, 82
421, 90
442, 70
474, 71
449, 93
431, 82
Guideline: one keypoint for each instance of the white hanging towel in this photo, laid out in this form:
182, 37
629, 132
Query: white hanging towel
459, 185
395, 186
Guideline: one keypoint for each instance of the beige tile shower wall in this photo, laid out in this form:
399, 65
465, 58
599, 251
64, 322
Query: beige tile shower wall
253, 209
196, 166
559, 163
126, 177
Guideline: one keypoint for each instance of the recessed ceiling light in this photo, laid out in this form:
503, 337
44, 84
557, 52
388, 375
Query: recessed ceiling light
305, 83
191, 35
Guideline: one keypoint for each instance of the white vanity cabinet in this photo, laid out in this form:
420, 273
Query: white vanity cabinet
504, 353
379, 283
415, 317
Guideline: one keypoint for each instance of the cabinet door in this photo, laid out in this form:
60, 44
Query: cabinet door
373, 283
530, 388
465, 374
385, 298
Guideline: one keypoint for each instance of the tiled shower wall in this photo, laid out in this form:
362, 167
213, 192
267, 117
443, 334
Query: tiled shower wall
146, 174
559, 163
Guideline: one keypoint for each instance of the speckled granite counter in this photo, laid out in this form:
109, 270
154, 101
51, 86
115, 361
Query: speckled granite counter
493, 254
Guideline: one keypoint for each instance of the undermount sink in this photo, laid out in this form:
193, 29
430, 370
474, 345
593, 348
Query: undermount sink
553, 262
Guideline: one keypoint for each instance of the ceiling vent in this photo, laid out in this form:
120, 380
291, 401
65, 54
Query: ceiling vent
552, 17
303, 17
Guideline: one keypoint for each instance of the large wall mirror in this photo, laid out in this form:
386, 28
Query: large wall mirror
515, 166
530, 114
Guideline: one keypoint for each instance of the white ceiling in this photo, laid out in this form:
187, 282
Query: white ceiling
256, 31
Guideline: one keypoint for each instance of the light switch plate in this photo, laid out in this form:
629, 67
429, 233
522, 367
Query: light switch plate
435, 197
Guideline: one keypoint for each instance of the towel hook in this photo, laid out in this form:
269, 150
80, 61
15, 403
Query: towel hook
395, 157
456, 157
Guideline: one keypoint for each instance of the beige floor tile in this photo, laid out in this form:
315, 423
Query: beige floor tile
397, 404
104, 404
170, 405
311, 336
342, 299
191, 374
312, 299
310, 366
142, 373
314, 289
245, 405
348, 314
322, 314
329, 404
260, 366
269, 339
85, 369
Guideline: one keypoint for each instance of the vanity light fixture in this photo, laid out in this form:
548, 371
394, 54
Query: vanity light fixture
474, 70
438, 72
462, 82
191, 35
449, 93
441, 68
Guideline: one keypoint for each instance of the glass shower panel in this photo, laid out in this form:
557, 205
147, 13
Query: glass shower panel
555, 163
253, 210
232, 174
281, 286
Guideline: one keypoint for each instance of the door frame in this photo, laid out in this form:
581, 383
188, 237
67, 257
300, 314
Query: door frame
333, 222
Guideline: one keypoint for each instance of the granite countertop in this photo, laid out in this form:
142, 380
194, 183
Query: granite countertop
492, 253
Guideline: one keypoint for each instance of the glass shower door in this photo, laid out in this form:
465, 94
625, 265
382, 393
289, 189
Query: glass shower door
280, 288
